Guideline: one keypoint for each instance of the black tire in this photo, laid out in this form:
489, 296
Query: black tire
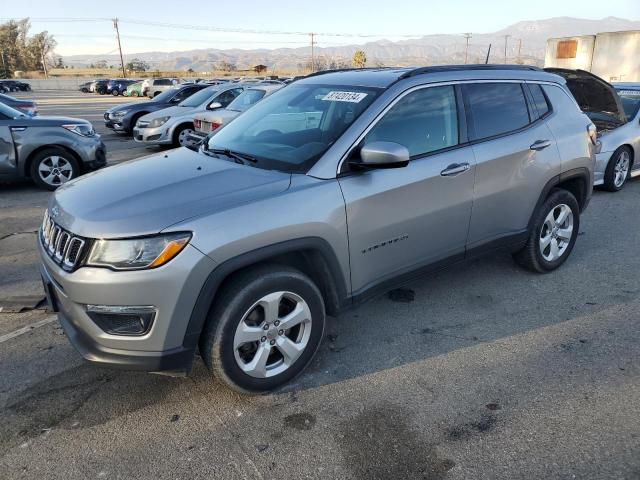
235, 300
134, 93
178, 131
610, 173
134, 120
38, 164
531, 256
115, 92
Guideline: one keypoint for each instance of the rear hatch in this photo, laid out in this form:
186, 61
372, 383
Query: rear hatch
597, 98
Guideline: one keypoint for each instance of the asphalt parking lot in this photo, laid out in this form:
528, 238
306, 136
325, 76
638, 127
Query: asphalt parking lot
480, 371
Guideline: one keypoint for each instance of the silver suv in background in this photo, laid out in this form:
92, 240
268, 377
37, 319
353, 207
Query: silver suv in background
336, 188
172, 126
48, 150
155, 86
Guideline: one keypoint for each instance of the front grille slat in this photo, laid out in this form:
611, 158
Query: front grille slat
62, 246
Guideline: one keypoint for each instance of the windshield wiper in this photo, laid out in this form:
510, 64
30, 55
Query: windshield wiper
241, 158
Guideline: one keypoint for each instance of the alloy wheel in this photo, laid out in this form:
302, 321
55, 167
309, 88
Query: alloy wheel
556, 232
272, 334
621, 169
55, 170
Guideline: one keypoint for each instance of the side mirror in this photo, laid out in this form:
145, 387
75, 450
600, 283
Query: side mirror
214, 105
383, 155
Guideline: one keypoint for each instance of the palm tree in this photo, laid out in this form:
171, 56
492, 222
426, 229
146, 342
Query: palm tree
359, 59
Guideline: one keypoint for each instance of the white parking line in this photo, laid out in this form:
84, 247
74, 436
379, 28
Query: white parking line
27, 329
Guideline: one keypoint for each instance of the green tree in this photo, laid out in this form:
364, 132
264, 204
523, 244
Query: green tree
359, 59
137, 65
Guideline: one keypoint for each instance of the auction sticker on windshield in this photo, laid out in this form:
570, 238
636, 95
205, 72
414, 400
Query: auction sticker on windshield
353, 97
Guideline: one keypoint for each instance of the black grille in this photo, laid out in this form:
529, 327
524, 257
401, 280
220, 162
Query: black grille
62, 246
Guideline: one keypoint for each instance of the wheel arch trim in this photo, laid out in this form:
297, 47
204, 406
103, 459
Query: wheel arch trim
212, 284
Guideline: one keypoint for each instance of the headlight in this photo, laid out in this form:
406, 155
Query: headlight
119, 113
156, 122
84, 129
137, 253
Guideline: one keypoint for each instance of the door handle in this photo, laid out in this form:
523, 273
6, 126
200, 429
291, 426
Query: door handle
455, 169
540, 144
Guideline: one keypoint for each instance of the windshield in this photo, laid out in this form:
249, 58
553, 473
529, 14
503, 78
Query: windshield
630, 101
198, 98
10, 112
246, 99
291, 129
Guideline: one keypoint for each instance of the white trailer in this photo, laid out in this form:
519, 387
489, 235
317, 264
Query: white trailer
613, 56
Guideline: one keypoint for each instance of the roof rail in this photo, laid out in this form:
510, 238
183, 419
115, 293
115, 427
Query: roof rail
335, 70
481, 66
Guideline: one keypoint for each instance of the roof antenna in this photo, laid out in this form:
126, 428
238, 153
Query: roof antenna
486, 61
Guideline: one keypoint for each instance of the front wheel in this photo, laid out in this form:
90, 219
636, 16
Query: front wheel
115, 93
264, 329
181, 136
553, 235
134, 93
618, 168
53, 167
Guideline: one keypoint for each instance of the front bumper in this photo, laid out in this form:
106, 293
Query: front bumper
602, 160
153, 136
115, 123
172, 289
93, 152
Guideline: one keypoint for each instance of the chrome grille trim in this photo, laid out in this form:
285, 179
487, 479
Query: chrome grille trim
62, 246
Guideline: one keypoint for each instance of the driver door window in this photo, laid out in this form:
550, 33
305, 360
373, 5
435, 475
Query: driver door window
423, 121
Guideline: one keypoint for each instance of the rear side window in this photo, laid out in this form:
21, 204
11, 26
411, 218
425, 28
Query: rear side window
496, 108
424, 121
539, 100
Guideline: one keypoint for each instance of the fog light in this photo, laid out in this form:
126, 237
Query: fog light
122, 320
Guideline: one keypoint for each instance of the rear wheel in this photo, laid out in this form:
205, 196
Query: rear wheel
264, 328
53, 167
134, 93
115, 92
618, 168
553, 235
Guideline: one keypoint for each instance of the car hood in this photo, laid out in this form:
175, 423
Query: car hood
49, 121
138, 106
595, 96
174, 111
148, 195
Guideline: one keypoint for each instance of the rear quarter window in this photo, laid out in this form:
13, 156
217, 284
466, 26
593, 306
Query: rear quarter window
540, 103
496, 108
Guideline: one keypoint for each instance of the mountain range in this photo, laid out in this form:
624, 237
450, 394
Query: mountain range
526, 41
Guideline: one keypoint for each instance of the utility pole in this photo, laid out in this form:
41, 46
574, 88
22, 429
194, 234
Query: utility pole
115, 25
4, 66
506, 39
466, 49
313, 60
519, 60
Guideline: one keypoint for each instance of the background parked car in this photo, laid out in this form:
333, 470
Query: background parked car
49, 150
123, 117
155, 86
100, 86
208, 121
15, 86
618, 137
173, 125
85, 87
28, 107
117, 86
133, 90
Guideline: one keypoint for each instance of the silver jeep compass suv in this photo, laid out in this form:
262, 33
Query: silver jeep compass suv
336, 188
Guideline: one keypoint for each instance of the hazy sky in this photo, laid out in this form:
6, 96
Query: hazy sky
375, 18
